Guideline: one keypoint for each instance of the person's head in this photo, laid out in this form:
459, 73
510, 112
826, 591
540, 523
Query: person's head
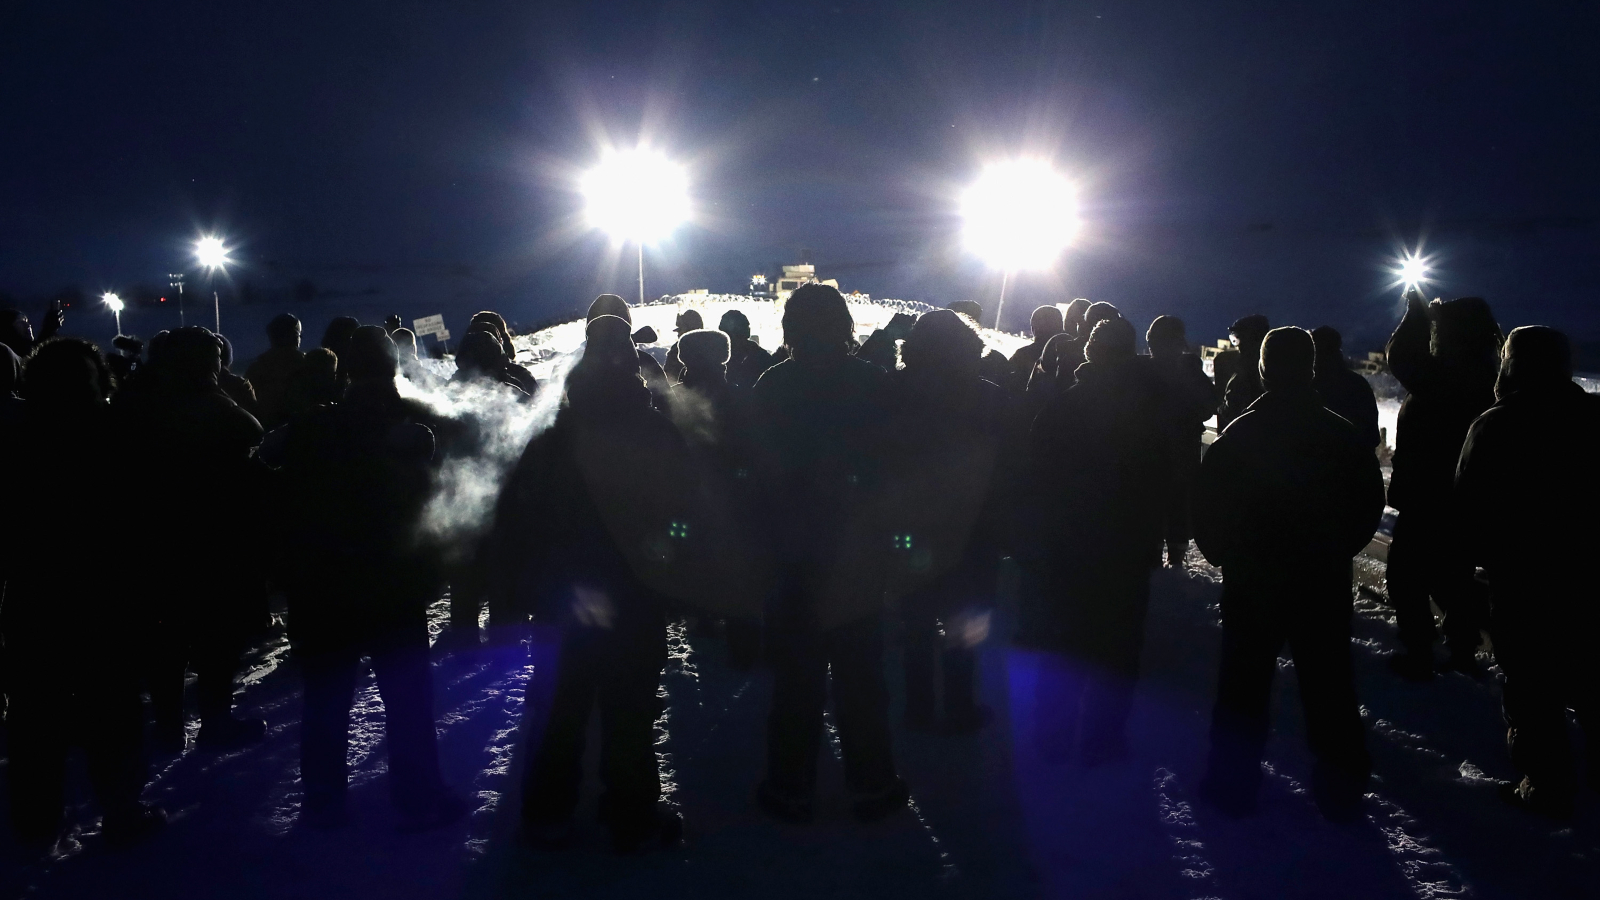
370, 356
1534, 358
1248, 333
609, 342
405, 343
226, 347
942, 341
1167, 336
687, 321
283, 332
16, 331
1054, 357
480, 353
1288, 359
817, 322
496, 323
1330, 348
608, 374
704, 353
1464, 329
1046, 323
1095, 314
1113, 342
735, 324
193, 359
1072, 317
610, 305
337, 335
66, 373
969, 308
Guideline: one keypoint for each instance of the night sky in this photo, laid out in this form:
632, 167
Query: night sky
1232, 157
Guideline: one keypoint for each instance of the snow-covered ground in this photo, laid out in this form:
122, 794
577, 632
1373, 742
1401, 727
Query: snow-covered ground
990, 819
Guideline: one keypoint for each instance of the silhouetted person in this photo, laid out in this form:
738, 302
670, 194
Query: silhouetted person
993, 366
746, 358
71, 672
191, 451
945, 429
820, 416
1073, 316
516, 372
1100, 466
237, 387
1343, 390
687, 321
1286, 497
481, 359
1188, 400
882, 346
1064, 353
578, 490
271, 372
1243, 385
1045, 324
654, 378
336, 336
314, 384
10, 371
16, 331
359, 585
1445, 356
1530, 460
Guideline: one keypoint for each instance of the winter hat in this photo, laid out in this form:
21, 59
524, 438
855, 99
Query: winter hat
1288, 358
703, 349
610, 305
1112, 341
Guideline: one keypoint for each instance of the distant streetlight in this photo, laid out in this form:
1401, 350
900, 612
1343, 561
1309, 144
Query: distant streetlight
177, 282
115, 304
1019, 215
637, 195
212, 254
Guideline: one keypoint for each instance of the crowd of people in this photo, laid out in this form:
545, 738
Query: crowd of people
800, 500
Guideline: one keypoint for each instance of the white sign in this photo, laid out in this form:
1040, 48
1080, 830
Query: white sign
442, 334
428, 325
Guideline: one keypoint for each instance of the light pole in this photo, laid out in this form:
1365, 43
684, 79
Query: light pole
636, 195
211, 253
115, 304
1018, 215
177, 282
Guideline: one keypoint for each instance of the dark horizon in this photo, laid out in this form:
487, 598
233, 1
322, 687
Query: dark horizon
1230, 160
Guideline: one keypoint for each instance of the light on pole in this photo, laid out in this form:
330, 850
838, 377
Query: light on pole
1018, 215
211, 253
636, 195
115, 304
177, 282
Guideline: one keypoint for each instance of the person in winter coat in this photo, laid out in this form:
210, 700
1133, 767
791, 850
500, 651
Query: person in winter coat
71, 673
945, 428
654, 377
1188, 401
359, 474
579, 491
1445, 356
194, 448
746, 358
513, 370
1045, 324
1286, 497
1243, 384
993, 366
716, 420
1342, 390
819, 424
687, 321
1100, 462
272, 371
1529, 460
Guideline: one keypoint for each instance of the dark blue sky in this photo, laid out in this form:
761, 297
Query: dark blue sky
1233, 157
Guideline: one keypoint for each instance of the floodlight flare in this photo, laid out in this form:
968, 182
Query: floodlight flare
1019, 215
636, 195
112, 301
1413, 271
210, 252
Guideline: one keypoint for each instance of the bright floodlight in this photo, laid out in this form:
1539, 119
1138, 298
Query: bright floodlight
636, 195
1019, 215
112, 301
1413, 271
209, 252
